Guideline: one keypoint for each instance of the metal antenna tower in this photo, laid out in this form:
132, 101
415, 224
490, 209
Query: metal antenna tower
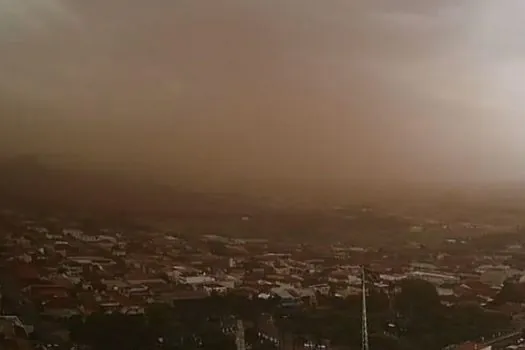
239, 337
364, 321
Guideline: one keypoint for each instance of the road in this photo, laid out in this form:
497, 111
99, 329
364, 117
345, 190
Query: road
505, 340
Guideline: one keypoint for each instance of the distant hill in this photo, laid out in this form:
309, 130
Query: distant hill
31, 183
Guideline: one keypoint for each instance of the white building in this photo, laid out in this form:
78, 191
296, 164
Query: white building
197, 280
497, 275
437, 279
423, 266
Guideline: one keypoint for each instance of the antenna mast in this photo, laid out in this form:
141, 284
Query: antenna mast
239, 338
364, 321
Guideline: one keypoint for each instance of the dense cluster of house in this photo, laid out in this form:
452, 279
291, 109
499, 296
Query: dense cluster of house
59, 273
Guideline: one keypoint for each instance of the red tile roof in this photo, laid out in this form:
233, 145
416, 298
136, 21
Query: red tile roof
470, 346
25, 271
60, 303
50, 290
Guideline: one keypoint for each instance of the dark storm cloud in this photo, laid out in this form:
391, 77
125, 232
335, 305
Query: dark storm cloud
300, 89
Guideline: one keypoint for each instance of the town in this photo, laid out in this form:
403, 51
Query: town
69, 287
262, 175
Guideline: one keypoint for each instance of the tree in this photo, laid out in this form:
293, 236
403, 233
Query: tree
164, 324
388, 342
76, 328
115, 331
378, 301
510, 293
417, 299
161, 327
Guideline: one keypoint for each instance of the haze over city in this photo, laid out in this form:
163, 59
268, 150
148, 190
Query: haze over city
313, 92
262, 175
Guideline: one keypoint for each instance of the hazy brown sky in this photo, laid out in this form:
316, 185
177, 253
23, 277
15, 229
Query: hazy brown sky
299, 89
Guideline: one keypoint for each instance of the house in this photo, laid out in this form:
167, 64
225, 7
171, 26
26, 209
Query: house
181, 295
46, 291
13, 323
472, 346
346, 292
434, 278
92, 260
115, 284
12, 336
25, 272
136, 291
323, 289
286, 296
109, 307
445, 292
423, 266
496, 275
145, 281
61, 308
476, 290
132, 310
197, 280
212, 288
